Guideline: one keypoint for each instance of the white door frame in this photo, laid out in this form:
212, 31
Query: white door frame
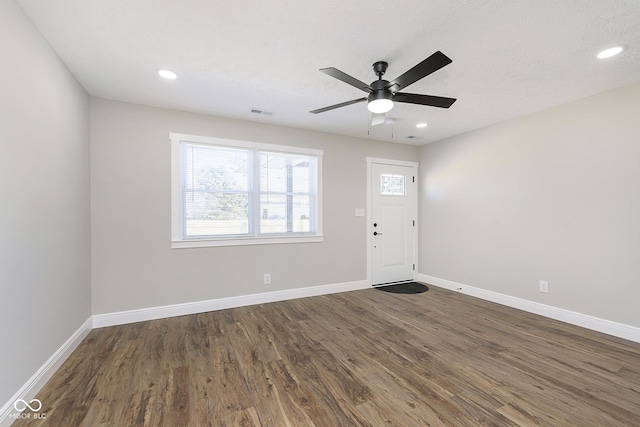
414, 165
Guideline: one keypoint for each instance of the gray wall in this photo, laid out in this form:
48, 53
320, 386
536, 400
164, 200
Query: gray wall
133, 265
44, 220
551, 196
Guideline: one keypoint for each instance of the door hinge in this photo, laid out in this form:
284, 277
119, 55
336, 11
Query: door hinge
414, 267
414, 179
414, 222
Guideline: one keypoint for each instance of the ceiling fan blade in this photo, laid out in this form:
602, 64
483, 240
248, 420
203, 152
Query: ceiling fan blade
334, 72
423, 69
377, 119
333, 107
430, 100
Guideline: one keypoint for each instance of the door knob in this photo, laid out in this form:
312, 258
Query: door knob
375, 233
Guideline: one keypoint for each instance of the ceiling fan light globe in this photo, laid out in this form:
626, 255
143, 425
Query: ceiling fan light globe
380, 105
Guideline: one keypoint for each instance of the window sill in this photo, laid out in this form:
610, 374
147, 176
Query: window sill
204, 243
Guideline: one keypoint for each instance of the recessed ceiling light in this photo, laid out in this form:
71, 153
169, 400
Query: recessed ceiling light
608, 53
421, 125
167, 74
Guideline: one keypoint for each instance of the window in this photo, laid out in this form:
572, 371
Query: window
392, 185
227, 192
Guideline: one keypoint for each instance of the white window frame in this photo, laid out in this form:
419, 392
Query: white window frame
179, 240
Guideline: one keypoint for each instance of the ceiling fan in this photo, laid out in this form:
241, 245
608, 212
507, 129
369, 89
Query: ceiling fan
382, 93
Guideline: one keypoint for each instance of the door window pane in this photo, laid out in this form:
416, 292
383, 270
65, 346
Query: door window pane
392, 185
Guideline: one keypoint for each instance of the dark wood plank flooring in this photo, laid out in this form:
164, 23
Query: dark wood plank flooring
364, 358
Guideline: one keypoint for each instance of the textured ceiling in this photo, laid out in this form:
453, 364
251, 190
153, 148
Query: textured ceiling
510, 57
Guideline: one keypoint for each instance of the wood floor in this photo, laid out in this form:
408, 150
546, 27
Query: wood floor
363, 358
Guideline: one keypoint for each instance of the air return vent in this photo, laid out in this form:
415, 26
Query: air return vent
263, 112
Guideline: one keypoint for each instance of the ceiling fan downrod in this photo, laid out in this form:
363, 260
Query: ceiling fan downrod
380, 68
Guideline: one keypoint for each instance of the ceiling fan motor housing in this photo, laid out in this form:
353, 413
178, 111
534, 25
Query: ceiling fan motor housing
379, 90
380, 100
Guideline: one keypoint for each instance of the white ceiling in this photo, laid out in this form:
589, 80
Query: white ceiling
510, 57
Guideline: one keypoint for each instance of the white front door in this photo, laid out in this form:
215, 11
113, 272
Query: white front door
392, 222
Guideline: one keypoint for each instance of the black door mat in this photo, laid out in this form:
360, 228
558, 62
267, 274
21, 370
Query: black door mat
404, 288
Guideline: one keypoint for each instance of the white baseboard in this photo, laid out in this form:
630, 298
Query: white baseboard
29, 390
151, 313
609, 327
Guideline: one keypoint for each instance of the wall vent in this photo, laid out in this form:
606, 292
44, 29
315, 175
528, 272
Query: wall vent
263, 112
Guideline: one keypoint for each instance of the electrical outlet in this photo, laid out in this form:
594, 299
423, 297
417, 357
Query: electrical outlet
544, 286
267, 278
